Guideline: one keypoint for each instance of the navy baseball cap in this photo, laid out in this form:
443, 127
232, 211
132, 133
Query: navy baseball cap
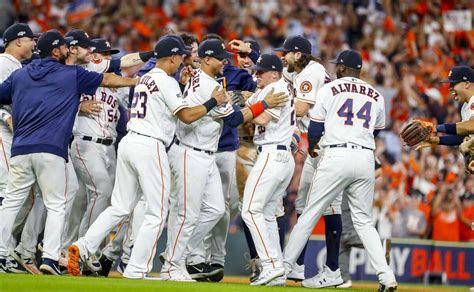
460, 74
16, 31
103, 46
213, 48
50, 40
348, 58
171, 45
254, 45
268, 62
296, 44
79, 38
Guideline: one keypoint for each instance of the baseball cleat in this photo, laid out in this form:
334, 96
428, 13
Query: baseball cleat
256, 268
217, 273
27, 263
280, 281
50, 267
73, 262
122, 266
106, 265
199, 271
267, 276
93, 264
296, 274
347, 284
388, 287
15, 266
325, 278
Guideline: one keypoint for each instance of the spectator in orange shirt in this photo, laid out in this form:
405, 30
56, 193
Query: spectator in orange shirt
467, 215
446, 214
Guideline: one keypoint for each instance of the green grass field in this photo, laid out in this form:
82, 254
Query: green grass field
31, 283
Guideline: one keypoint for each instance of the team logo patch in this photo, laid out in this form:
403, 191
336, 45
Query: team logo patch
306, 87
96, 61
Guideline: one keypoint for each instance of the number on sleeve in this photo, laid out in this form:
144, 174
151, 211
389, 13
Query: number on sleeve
138, 108
363, 114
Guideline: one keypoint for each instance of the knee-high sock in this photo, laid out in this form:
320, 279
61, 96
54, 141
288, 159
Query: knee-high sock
333, 239
250, 244
300, 260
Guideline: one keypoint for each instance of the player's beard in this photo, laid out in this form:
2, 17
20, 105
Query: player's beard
339, 74
63, 57
291, 68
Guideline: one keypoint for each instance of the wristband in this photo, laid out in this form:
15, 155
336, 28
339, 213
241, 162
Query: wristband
265, 104
447, 128
210, 104
257, 108
145, 56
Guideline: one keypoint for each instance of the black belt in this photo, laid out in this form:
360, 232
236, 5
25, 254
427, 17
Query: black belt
103, 141
177, 142
278, 147
345, 145
166, 148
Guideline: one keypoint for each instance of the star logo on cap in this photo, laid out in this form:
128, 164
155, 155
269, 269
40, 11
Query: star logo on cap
93, 48
223, 46
296, 48
174, 50
86, 34
259, 59
56, 42
21, 33
209, 52
450, 72
107, 44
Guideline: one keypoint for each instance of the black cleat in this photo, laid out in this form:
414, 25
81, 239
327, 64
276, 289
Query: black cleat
200, 271
217, 272
106, 264
383, 288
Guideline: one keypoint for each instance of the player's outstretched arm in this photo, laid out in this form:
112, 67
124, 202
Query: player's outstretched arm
191, 114
112, 80
465, 128
133, 59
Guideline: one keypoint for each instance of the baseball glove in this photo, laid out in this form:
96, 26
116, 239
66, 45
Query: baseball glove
237, 98
469, 162
417, 131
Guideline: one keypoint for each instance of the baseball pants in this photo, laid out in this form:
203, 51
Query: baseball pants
212, 249
357, 178
199, 199
5, 153
25, 170
263, 193
142, 168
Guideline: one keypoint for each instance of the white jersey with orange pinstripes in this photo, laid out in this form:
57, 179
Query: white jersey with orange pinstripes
467, 110
156, 100
205, 132
351, 110
282, 125
307, 84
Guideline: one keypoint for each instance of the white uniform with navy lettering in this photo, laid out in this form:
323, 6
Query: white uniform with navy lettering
306, 86
351, 110
142, 168
467, 110
199, 201
269, 178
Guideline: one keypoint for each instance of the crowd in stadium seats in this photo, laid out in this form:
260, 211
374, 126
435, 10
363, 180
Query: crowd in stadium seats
406, 46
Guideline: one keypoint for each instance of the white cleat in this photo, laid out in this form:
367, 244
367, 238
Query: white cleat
347, 284
172, 273
268, 275
280, 281
296, 274
325, 278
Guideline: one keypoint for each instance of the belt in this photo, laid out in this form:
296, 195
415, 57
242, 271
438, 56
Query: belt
247, 138
166, 148
278, 147
177, 142
347, 145
103, 141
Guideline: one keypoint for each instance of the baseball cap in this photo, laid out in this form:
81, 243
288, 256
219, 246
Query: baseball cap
171, 45
50, 40
268, 62
348, 58
254, 45
296, 44
17, 30
460, 74
213, 48
102, 45
79, 38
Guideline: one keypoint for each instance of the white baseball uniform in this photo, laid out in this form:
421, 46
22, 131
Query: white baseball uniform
270, 176
351, 110
467, 109
306, 87
142, 165
199, 200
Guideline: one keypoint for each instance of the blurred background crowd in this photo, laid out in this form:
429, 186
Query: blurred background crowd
407, 46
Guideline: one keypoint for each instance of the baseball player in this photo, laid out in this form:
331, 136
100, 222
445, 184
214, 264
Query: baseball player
200, 200
41, 154
309, 77
461, 87
272, 172
143, 161
209, 256
19, 41
349, 111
